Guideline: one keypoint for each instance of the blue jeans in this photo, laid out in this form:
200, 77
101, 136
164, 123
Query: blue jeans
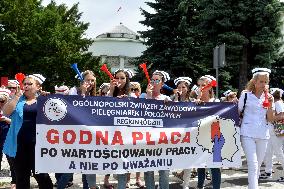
216, 177
121, 178
163, 179
65, 178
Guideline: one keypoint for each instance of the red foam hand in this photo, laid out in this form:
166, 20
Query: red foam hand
215, 130
105, 69
144, 67
20, 78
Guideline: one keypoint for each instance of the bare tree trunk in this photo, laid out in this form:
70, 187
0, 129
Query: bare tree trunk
244, 68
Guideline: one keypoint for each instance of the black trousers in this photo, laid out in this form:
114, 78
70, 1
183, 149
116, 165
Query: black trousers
11, 162
25, 164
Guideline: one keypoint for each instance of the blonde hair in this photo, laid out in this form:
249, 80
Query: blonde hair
251, 84
93, 90
211, 91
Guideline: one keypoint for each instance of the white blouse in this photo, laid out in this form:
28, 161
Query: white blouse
254, 123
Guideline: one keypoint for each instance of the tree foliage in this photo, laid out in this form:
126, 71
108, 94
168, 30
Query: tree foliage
183, 33
46, 40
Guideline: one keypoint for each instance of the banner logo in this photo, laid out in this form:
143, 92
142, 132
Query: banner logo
55, 109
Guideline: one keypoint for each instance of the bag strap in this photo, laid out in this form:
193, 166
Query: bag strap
245, 101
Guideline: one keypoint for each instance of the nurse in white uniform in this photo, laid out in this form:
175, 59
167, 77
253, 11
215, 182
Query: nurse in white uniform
254, 126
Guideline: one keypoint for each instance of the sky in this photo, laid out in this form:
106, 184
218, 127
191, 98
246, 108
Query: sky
103, 15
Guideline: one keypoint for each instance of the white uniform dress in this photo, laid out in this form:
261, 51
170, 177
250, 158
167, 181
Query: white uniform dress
254, 134
275, 143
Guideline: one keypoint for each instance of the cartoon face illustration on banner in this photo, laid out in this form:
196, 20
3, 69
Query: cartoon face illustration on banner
55, 109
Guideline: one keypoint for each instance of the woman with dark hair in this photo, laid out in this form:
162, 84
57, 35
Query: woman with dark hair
21, 138
120, 87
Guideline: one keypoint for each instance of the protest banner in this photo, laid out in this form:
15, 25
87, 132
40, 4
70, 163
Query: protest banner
112, 135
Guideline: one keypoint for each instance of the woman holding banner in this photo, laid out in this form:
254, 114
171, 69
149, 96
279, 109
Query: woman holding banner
206, 94
154, 92
255, 117
120, 87
182, 94
87, 88
21, 138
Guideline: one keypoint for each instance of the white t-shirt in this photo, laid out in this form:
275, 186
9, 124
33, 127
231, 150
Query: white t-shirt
254, 123
279, 106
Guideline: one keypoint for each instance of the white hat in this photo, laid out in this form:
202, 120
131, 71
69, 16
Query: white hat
165, 75
104, 84
134, 83
61, 89
129, 72
228, 92
209, 77
273, 90
187, 80
13, 81
38, 77
260, 71
5, 92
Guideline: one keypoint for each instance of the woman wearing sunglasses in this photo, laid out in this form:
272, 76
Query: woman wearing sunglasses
154, 92
21, 138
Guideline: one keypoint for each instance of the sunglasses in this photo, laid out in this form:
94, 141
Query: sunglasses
12, 87
122, 78
135, 89
27, 84
156, 81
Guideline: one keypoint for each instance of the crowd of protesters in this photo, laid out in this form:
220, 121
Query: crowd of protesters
260, 138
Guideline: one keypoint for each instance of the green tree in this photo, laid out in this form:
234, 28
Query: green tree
46, 40
183, 33
167, 39
250, 29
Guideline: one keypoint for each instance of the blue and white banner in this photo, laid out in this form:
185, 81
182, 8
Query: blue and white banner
112, 135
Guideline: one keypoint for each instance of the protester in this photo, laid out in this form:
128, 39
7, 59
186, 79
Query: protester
104, 89
182, 94
87, 88
21, 138
120, 87
4, 128
254, 127
275, 143
154, 92
206, 94
230, 96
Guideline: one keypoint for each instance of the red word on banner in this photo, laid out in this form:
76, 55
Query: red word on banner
103, 137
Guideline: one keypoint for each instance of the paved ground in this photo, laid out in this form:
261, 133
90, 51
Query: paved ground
231, 178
